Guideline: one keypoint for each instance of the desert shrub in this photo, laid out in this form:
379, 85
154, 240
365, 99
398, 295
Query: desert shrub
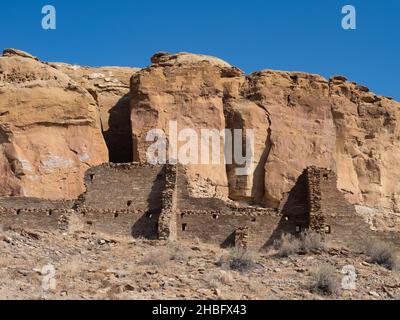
157, 257
383, 253
239, 259
161, 256
288, 245
177, 251
325, 280
217, 278
395, 262
311, 241
308, 242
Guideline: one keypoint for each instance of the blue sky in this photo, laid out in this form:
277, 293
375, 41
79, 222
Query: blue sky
253, 34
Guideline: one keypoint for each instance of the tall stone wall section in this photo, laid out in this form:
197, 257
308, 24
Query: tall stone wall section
167, 229
332, 215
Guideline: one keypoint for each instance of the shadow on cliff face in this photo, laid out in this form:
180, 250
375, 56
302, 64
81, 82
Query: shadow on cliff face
295, 212
119, 135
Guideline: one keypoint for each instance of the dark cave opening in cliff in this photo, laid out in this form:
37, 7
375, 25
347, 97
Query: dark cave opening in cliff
118, 137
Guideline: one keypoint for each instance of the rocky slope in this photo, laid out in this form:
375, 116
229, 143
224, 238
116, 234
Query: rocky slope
97, 266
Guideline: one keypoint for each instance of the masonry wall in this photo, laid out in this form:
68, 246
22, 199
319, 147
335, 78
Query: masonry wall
124, 186
33, 203
331, 214
167, 228
121, 199
114, 223
219, 228
215, 221
154, 202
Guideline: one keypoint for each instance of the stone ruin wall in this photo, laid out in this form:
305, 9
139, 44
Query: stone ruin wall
167, 228
213, 220
314, 203
154, 202
120, 199
333, 216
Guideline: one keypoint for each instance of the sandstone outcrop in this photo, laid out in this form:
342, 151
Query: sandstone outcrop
52, 116
110, 88
49, 130
188, 89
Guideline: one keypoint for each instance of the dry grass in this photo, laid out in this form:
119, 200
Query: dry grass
288, 245
239, 259
311, 241
325, 280
157, 257
384, 254
219, 278
308, 242
178, 252
161, 256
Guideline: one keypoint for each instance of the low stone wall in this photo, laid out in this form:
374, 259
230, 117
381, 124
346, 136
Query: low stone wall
130, 223
221, 228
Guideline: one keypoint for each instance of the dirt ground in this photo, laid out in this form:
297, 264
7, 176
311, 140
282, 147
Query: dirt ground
79, 265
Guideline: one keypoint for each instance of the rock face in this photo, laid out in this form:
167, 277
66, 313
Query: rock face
298, 120
188, 89
49, 130
52, 117
110, 88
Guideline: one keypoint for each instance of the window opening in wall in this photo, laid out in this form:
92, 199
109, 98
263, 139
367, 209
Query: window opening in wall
253, 219
215, 216
129, 203
184, 227
49, 213
18, 212
91, 177
182, 215
327, 229
116, 215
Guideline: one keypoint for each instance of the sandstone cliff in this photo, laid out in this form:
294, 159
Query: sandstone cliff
49, 130
110, 88
299, 120
52, 117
